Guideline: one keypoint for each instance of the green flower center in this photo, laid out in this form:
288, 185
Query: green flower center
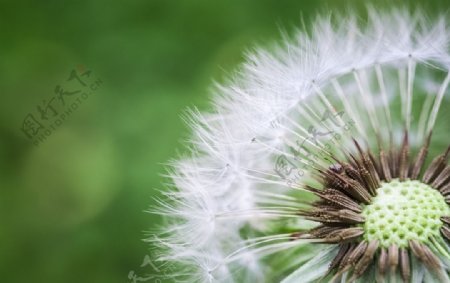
403, 211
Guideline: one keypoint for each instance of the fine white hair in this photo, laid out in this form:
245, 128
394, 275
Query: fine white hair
226, 195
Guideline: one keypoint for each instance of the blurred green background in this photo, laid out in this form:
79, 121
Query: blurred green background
72, 208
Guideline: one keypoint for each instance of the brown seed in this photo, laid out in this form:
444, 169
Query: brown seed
445, 190
393, 160
393, 258
376, 165
324, 214
365, 260
416, 249
420, 160
367, 170
436, 166
359, 192
343, 249
445, 219
354, 255
405, 265
374, 178
348, 216
403, 158
383, 262
322, 231
385, 166
445, 231
348, 186
352, 160
352, 172
424, 254
339, 199
442, 179
367, 180
344, 260
344, 235
433, 260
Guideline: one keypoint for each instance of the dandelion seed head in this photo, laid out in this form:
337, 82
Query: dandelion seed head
323, 159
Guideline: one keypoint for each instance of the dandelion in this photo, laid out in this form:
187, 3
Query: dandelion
325, 160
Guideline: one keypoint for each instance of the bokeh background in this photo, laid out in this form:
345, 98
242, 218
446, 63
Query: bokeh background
72, 208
